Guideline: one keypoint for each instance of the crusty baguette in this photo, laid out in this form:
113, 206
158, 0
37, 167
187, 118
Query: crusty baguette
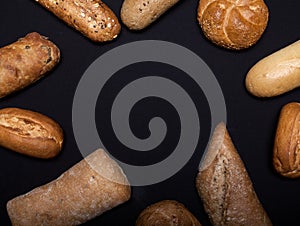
167, 213
92, 18
225, 187
286, 159
233, 24
89, 188
25, 61
30, 133
138, 14
276, 74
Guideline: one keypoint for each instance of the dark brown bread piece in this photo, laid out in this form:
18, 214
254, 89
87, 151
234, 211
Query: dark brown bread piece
30, 133
167, 213
25, 61
286, 158
92, 18
225, 187
233, 24
138, 14
91, 187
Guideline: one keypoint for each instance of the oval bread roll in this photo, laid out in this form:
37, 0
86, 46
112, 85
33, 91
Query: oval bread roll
30, 133
91, 187
286, 159
138, 14
225, 187
92, 18
275, 74
167, 213
233, 24
25, 61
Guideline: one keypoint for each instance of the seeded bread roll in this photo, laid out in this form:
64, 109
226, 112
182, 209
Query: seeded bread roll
91, 187
286, 159
25, 61
225, 187
167, 213
30, 133
233, 24
92, 18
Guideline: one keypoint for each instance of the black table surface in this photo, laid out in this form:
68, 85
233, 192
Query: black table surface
251, 121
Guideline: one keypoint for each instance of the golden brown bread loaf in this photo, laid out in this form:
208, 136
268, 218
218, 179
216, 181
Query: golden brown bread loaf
91, 187
30, 133
167, 213
92, 18
138, 14
225, 187
275, 74
286, 159
25, 61
233, 24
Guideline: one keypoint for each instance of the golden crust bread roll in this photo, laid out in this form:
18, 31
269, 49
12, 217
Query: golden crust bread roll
286, 159
25, 61
167, 213
225, 187
138, 14
91, 187
275, 74
233, 24
30, 133
92, 18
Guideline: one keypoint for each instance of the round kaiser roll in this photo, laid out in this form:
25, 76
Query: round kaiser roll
233, 24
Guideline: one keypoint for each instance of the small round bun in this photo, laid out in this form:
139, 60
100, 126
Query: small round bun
233, 24
167, 213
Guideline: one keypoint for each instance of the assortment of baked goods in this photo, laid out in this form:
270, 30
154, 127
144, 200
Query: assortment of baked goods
97, 183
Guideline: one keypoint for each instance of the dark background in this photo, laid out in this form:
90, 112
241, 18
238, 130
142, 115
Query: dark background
251, 121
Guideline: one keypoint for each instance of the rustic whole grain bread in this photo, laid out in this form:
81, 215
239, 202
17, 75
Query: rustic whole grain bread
30, 133
25, 61
167, 213
139, 14
89, 188
92, 18
286, 159
225, 187
233, 24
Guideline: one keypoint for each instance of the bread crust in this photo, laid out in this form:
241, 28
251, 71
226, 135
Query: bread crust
167, 212
275, 74
233, 24
25, 61
93, 18
286, 158
78, 195
138, 14
30, 133
225, 187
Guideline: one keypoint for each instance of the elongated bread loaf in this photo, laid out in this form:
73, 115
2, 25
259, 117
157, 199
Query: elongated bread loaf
277, 73
92, 18
225, 187
30, 133
89, 188
25, 61
286, 159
